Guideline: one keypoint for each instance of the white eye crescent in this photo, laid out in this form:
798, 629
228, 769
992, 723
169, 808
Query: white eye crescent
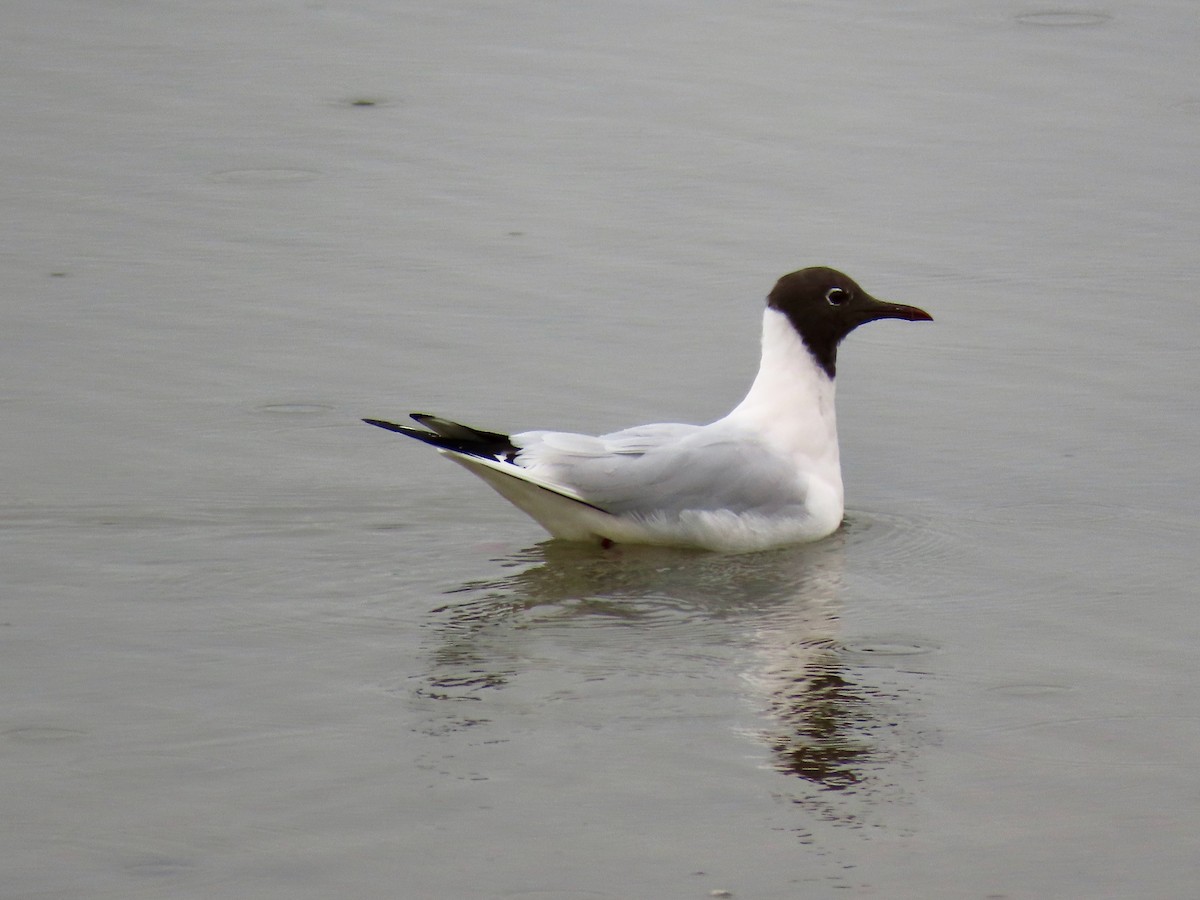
837, 296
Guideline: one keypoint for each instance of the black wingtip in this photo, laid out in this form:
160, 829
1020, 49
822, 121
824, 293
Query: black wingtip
448, 435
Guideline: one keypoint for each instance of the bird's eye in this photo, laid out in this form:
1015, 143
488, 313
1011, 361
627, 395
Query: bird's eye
837, 296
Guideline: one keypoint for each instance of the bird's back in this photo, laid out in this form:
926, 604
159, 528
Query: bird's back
666, 469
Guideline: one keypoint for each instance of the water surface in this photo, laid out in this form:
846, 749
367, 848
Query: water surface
252, 648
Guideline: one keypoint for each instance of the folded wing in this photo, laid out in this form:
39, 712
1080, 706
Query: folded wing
663, 470
652, 471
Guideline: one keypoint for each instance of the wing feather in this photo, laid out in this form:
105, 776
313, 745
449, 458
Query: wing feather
665, 469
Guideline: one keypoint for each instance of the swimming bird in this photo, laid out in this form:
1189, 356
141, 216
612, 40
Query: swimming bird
765, 475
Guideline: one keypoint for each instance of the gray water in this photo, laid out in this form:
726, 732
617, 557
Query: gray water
253, 648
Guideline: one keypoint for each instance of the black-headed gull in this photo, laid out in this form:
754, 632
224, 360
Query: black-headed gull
765, 475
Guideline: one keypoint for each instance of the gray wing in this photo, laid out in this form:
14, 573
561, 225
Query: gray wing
665, 469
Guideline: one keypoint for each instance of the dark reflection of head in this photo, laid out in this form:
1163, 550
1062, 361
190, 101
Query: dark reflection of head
821, 746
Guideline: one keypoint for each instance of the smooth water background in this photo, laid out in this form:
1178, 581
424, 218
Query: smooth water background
252, 648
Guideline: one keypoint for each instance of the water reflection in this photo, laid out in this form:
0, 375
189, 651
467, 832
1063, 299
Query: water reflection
823, 714
844, 734
770, 618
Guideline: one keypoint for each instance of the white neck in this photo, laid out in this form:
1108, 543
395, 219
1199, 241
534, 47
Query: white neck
790, 403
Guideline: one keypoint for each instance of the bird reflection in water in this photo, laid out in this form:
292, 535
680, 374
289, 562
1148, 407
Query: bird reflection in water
771, 616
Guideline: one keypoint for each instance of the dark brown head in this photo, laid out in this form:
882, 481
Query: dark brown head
824, 306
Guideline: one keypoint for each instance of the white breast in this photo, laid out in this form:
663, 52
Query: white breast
791, 405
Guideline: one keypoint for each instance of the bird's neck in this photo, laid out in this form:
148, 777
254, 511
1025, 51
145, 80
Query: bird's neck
791, 399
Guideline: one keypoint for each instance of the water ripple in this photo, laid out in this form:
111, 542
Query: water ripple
906, 553
1117, 741
1064, 18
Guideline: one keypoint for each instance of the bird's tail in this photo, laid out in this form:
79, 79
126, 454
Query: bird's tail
447, 435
